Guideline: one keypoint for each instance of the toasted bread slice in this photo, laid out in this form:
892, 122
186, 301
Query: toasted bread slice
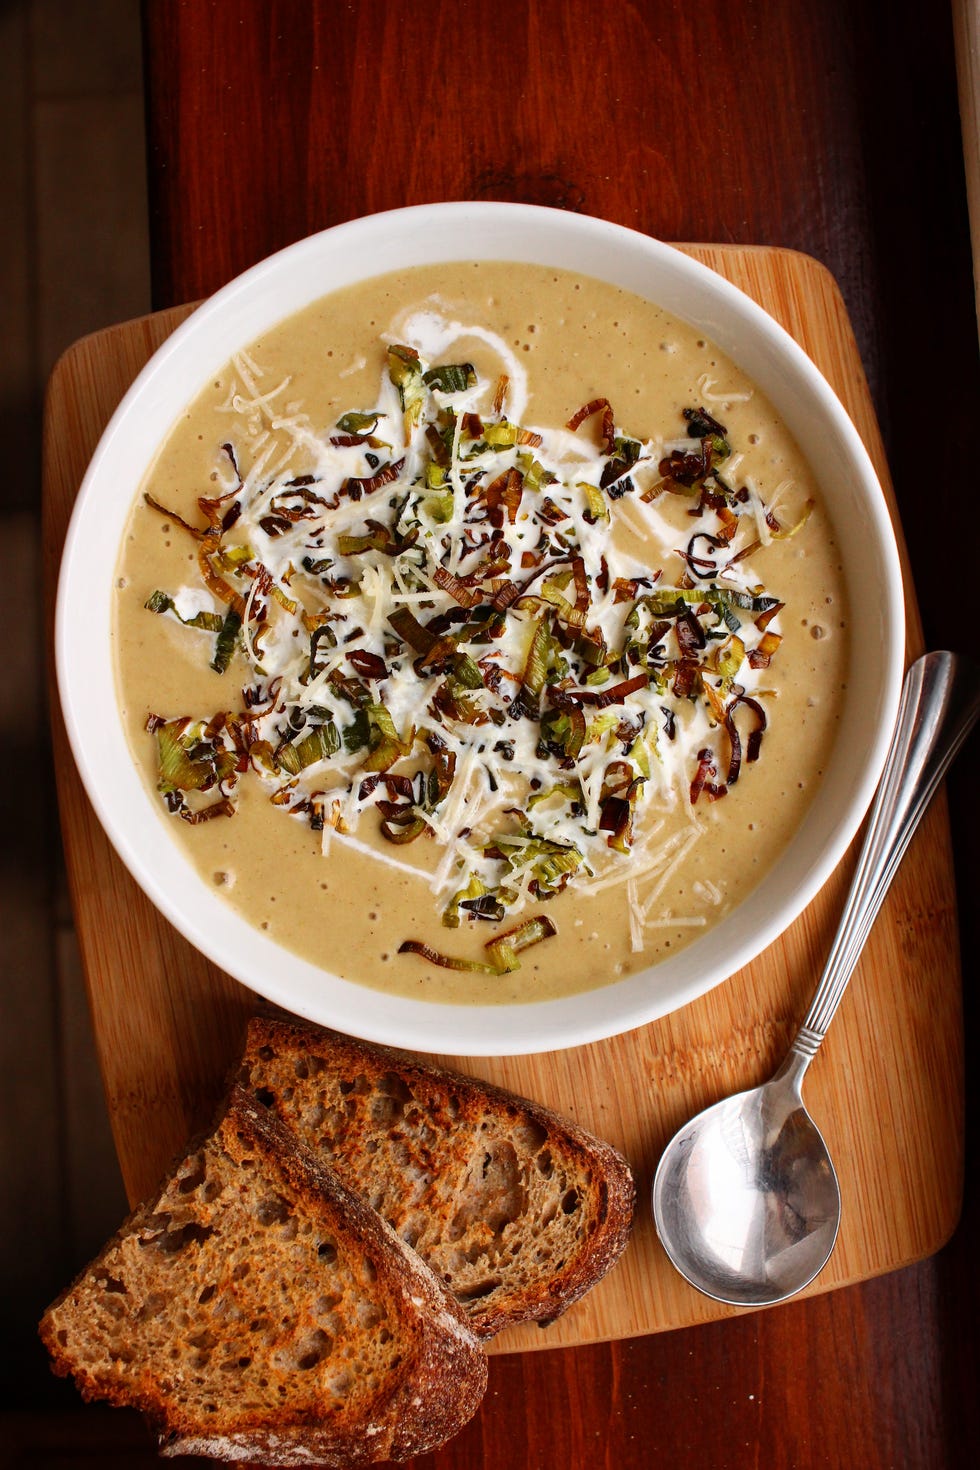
257, 1311
516, 1210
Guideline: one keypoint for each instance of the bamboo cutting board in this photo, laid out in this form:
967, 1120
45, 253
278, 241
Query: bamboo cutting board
887, 1089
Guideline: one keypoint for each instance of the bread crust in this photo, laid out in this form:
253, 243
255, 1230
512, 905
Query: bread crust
417, 1164
426, 1393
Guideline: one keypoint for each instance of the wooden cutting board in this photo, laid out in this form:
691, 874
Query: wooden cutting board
887, 1088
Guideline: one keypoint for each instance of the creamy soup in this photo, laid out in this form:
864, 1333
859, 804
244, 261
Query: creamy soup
481, 633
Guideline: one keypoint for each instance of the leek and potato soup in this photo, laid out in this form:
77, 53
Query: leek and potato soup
481, 634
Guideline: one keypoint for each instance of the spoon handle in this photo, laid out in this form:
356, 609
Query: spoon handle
940, 702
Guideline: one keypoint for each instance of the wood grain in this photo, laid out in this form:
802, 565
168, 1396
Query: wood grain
168, 1024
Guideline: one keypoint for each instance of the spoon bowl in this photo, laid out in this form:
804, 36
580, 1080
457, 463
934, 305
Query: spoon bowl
745, 1198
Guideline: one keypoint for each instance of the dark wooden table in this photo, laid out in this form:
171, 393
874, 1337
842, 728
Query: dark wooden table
830, 127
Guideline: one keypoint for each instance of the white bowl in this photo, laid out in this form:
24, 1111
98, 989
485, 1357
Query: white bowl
282, 285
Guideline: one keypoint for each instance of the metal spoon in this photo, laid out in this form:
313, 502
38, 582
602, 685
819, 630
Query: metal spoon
745, 1198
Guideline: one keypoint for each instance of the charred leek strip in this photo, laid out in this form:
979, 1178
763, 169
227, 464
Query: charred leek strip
502, 951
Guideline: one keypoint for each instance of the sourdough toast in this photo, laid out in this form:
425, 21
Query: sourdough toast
517, 1211
257, 1311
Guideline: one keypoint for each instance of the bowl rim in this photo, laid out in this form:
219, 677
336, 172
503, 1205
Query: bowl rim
212, 926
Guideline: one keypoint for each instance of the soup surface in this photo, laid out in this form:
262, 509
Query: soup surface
482, 633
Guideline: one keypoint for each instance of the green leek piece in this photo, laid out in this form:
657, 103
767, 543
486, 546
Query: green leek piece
563, 732
596, 504
565, 791
536, 477
552, 862
405, 371
319, 745
727, 660
226, 640
385, 746
536, 665
358, 423
501, 435
162, 602
783, 533
504, 950
450, 377
467, 672
186, 761
358, 733
475, 888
